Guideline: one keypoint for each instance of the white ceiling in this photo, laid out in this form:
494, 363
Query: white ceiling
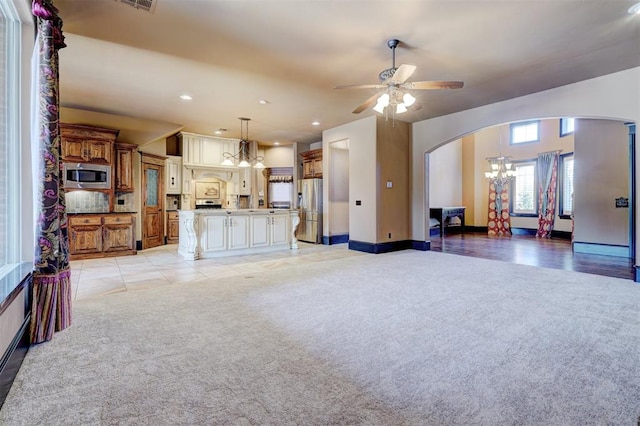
131, 66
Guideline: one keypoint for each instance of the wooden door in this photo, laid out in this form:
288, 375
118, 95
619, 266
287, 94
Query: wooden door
152, 201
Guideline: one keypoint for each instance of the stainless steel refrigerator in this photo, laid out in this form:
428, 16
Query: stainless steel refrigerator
310, 207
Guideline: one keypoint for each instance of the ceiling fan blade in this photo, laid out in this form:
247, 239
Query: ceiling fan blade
415, 107
401, 75
367, 104
429, 85
361, 86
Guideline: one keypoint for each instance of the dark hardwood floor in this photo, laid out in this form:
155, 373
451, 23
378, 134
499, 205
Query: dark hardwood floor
527, 250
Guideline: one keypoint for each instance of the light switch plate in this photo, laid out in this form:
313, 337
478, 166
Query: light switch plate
389, 184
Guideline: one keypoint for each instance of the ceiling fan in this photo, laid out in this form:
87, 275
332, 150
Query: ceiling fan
395, 93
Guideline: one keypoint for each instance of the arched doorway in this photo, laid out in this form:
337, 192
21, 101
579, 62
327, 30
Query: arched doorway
603, 153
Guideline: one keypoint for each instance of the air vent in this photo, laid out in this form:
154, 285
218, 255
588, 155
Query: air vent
148, 5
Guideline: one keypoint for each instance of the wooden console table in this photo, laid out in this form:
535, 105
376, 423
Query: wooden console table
445, 214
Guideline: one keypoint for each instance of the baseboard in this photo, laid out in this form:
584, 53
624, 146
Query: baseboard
478, 229
12, 359
601, 249
15, 316
564, 235
380, 247
335, 239
421, 245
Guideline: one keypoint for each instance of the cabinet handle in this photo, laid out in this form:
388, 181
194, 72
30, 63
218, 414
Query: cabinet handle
173, 181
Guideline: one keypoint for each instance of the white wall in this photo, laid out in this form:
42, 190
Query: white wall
601, 160
361, 135
278, 156
612, 96
338, 189
445, 171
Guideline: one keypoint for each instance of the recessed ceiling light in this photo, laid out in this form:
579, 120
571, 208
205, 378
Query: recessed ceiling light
276, 143
220, 131
315, 123
186, 97
263, 101
634, 9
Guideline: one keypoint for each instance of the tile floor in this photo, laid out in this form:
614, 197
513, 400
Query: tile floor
163, 266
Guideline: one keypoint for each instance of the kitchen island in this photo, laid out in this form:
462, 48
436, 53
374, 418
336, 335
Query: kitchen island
211, 233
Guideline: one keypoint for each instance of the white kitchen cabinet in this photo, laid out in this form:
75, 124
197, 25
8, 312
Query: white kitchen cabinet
280, 229
260, 231
269, 230
244, 176
238, 228
173, 168
204, 151
211, 152
221, 233
214, 234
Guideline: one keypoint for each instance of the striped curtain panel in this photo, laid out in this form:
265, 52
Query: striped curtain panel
51, 304
499, 221
548, 176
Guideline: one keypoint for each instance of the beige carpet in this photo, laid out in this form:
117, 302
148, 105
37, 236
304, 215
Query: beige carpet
418, 338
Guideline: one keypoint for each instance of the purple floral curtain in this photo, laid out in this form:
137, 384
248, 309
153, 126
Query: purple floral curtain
51, 306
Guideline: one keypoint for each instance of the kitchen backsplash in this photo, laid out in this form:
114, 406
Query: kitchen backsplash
123, 202
87, 202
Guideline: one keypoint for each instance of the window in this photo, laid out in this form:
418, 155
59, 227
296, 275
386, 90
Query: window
567, 126
528, 131
10, 222
566, 186
524, 197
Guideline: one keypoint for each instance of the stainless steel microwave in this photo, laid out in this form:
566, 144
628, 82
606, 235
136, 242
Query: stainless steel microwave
86, 176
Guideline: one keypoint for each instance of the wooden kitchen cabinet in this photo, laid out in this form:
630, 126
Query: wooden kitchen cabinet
101, 235
173, 225
117, 233
311, 164
87, 144
124, 167
85, 236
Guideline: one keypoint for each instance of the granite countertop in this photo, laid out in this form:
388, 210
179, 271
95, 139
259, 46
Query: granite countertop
241, 211
103, 213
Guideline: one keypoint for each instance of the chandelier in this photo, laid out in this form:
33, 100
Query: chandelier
502, 170
243, 156
395, 99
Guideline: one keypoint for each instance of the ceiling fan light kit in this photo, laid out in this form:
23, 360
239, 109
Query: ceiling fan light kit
395, 94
